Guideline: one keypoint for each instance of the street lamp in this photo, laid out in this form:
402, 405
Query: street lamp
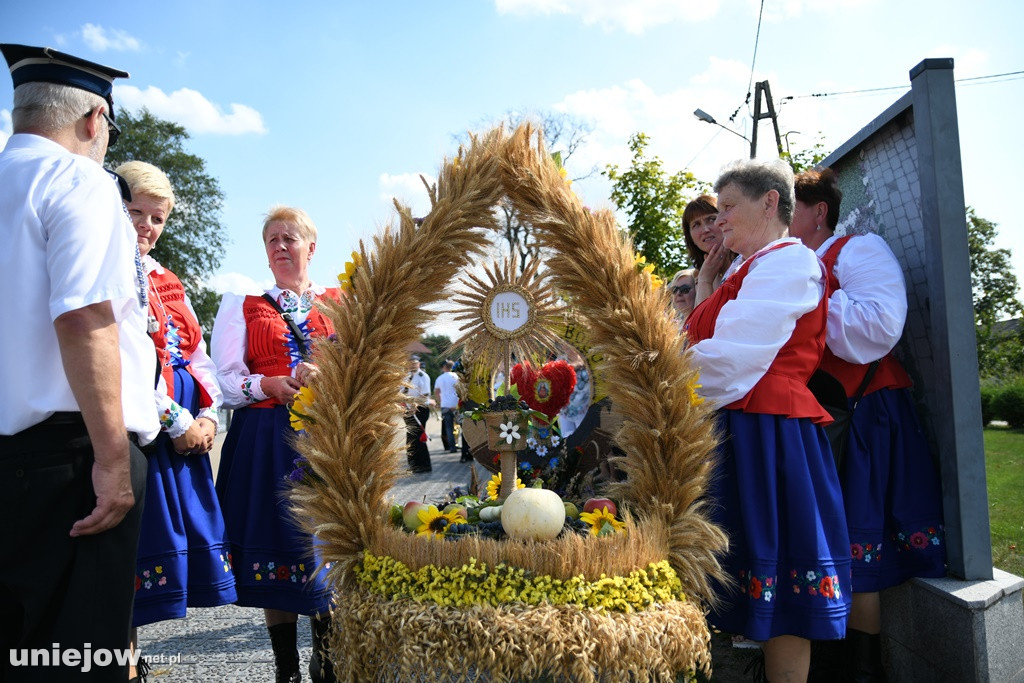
708, 118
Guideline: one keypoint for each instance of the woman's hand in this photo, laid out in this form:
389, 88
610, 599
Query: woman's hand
208, 428
191, 442
281, 387
715, 263
306, 373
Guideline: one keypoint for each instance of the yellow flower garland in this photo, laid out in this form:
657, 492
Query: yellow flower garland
476, 584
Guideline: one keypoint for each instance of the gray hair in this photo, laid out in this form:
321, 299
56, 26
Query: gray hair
50, 107
755, 178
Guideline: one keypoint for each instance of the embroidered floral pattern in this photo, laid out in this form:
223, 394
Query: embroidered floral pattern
170, 416
816, 583
148, 578
247, 390
918, 540
757, 586
866, 552
272, 571
290, 303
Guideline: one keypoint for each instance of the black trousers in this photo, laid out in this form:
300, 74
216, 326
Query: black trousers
419, 454
59, 593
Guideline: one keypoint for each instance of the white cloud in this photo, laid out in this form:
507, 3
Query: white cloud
5, 127
634, 17
408, 189
676, 136
236, 283
191, 109
101, 39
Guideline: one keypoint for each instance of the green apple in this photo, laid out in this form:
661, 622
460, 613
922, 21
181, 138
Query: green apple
571, 511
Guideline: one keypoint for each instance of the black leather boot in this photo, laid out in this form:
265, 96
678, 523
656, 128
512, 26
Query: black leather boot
320, 668
864, 653
286, 652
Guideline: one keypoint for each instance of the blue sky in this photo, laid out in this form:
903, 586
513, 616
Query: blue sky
338, 106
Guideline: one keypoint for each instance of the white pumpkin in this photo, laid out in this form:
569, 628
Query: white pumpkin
533, 514
491, 513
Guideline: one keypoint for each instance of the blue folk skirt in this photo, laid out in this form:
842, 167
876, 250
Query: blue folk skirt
184, 559
892, 494
273, 559
776, 493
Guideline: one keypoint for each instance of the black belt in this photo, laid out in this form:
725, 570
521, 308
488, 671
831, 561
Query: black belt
58, 419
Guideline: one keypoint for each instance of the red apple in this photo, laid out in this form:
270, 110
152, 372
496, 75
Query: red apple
599, 503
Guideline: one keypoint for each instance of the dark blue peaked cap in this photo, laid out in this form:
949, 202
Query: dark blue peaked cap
32, 64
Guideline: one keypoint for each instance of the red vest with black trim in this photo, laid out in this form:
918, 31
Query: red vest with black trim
167, 300
267, 351
889, 374
783, 388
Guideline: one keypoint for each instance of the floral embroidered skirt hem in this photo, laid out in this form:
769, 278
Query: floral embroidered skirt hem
892, 495
183, 558
776, 493
273, 566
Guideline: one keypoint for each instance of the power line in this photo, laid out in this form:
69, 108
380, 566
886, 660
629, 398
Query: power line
753, 62
1019, 74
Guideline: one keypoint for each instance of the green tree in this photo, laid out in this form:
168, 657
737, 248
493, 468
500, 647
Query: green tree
437, 343
192, 243
803, 159
994, 292
654, 201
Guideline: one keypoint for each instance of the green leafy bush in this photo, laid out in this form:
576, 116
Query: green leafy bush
1008, 403
988, 397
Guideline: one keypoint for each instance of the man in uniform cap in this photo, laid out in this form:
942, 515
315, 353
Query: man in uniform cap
77, 368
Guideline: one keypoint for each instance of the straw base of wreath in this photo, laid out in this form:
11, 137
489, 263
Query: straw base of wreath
379, 639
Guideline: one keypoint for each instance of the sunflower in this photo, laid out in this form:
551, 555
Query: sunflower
602, 522
435, 523
641, 263
494, 486
345, 279
298, 411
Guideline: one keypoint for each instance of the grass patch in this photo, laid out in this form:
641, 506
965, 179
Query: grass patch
1004, 471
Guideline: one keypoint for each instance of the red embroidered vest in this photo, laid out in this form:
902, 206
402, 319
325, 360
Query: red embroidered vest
267, 335
889, 374
167, 305
783, 388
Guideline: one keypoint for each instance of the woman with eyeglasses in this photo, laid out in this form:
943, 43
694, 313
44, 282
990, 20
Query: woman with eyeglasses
183, 556
684, 292
704, 245
890, 484
756, 341
262, 346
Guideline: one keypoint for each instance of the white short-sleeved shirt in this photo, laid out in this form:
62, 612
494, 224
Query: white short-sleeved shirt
68, 244
445, 382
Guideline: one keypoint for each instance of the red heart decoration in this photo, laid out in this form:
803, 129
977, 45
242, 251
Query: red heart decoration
546, 391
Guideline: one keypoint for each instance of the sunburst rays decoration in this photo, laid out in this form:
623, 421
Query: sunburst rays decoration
510, 314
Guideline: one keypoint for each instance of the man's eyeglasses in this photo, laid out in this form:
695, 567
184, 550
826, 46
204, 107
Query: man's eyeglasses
682, 289
113, 132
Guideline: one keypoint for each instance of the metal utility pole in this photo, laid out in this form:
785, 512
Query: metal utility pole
762, 86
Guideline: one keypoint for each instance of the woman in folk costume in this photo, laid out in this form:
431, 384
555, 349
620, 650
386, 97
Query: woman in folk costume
183, 558
890, 483
262, 362
756, 340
